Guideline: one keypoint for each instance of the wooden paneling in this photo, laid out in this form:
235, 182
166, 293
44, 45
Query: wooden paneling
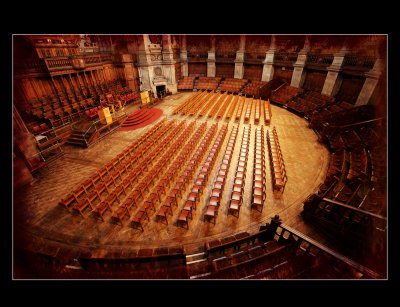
253, 72
177, 71
225, 70
198, 69
285, 75
350, 88
314, 81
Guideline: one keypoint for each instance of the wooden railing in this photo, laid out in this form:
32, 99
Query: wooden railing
352, 61
59, 63
34, 66
285, 59
320, 59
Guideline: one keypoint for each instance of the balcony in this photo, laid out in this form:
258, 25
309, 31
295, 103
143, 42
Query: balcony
254, 58
318, 61
58, 63
77, 62
225, 57
197, 57
362, 63
30, 67
285, 59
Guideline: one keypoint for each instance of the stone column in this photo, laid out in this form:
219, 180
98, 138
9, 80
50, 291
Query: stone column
333, 79
268, 68
211, 64
298, 73
240, 58
184, 61
144, 60
169, 64
371, 80
211, 58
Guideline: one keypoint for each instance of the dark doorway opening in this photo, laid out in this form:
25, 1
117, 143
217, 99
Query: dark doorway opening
160, 91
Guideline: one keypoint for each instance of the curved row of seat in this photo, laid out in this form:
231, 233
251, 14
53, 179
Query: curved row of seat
237, 193
218, 185
187, 102
146, 158
248, 109
202, 177
188, 171
132, 154
259, 179
277, 165
175, 149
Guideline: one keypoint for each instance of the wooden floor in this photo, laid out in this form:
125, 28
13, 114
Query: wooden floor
41, 218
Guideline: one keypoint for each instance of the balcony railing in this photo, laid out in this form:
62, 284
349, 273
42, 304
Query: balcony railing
37, 66
58, 63
363, 62
77, 61
319, 59
285, 58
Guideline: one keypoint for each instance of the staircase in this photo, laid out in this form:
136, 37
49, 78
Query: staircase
198, 266
196, 80
77, 139
219, 85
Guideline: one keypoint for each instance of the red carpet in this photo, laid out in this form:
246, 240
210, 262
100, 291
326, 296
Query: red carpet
141, 118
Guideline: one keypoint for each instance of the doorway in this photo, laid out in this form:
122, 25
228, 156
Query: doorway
160, 91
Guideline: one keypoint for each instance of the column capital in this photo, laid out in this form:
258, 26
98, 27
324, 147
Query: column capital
269, 57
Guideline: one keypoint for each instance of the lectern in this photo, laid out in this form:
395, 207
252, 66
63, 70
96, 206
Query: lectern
105, 116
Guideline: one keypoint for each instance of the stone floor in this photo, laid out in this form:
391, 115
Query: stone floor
40, 215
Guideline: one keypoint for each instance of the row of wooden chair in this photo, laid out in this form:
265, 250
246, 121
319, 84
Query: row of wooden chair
198, 104
208, 83
236, 199
178, 109
358, 165
257, 113
267, 111
218, 185
146, 183
188, 171
186, 83
194, 103
202, 176
253, 88
224, 106
232, 107
106, 204
154, 197
248, 110
240, 108
259, 178
212, 101
277, 165
89, 183
285, 93
217, 105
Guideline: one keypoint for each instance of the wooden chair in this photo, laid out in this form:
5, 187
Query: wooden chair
163, 212
258, 199
211, 214
120, 213
183, 218
138, 218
